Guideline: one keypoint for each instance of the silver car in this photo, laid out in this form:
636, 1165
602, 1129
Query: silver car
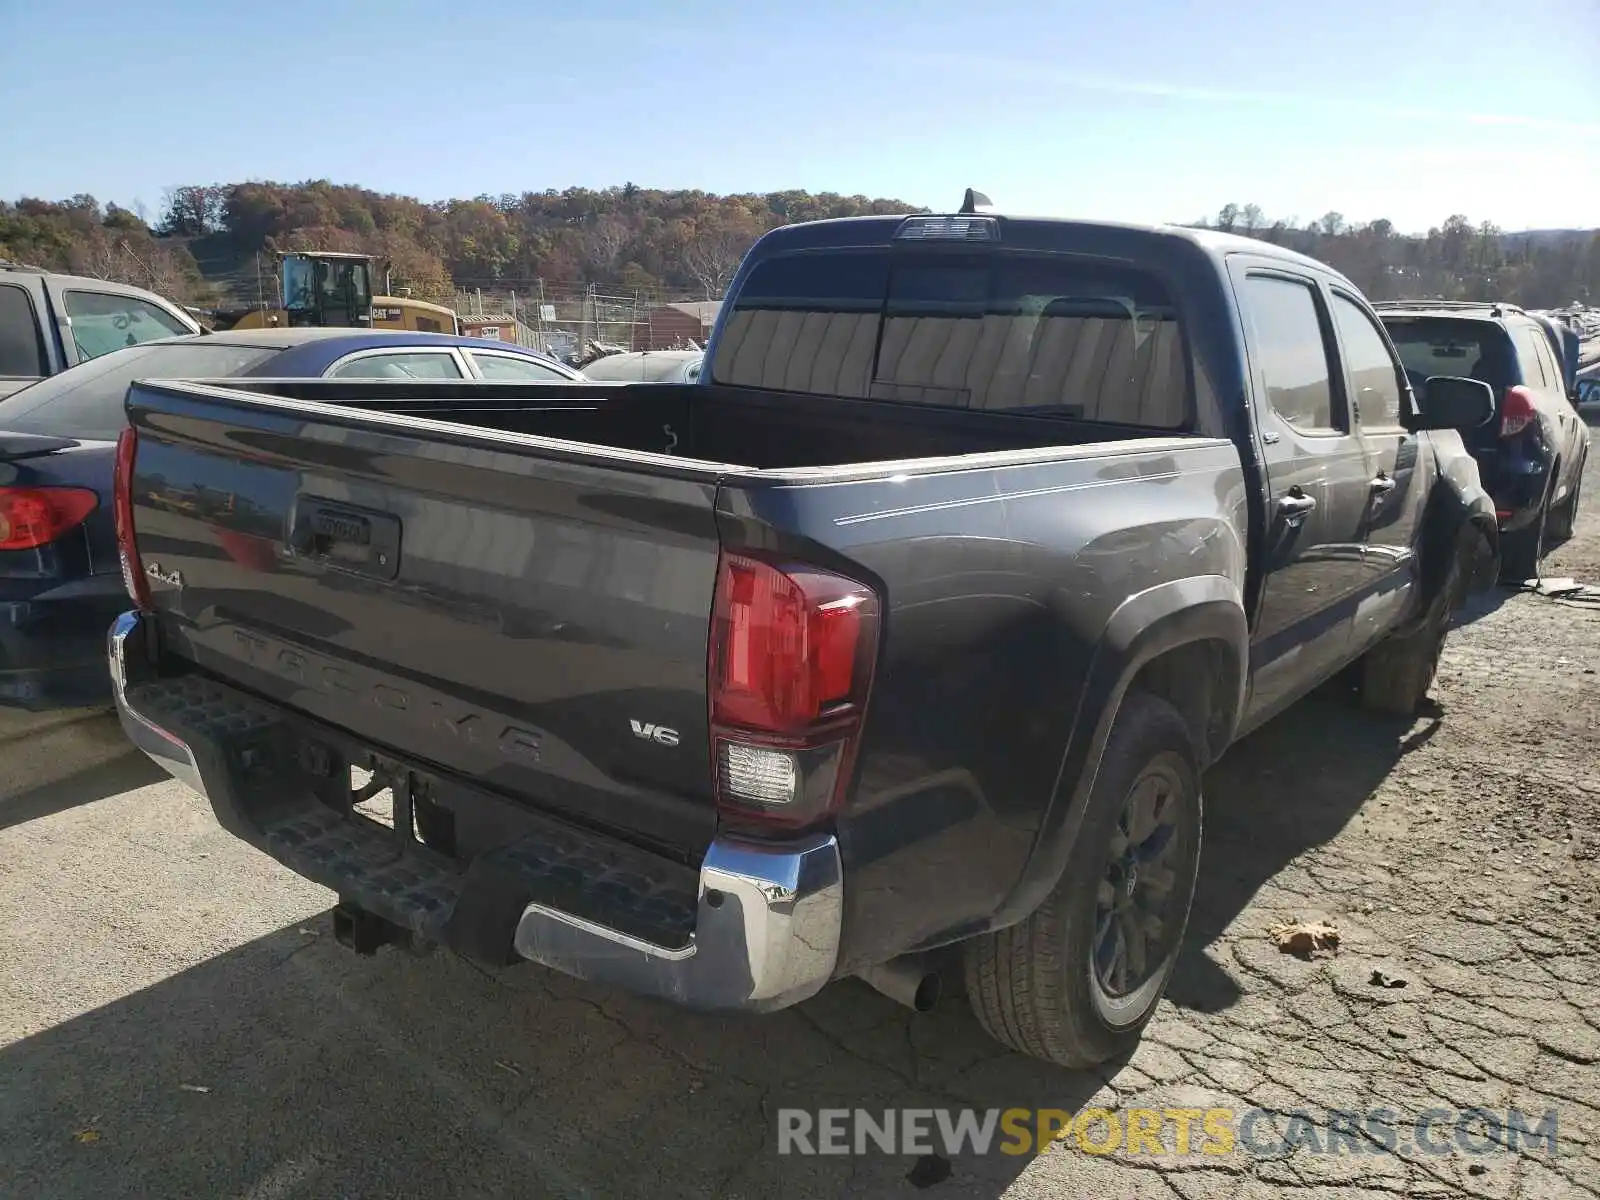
647, 366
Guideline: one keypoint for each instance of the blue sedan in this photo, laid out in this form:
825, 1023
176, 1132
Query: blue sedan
60, 580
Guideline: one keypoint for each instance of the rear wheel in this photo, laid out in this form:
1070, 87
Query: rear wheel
1077, 981
1564, 518
1522, 550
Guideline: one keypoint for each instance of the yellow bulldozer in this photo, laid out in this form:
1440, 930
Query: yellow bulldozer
326, 288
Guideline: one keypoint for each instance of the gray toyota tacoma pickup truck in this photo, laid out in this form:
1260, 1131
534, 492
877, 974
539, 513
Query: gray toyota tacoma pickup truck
912, 625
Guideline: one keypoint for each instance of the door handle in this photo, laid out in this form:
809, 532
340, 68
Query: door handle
1296, 506
1382, 484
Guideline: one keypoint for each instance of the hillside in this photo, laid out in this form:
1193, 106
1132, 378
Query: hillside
1455, 260
203, 246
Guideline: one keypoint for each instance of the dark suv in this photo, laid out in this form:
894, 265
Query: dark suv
1531, 456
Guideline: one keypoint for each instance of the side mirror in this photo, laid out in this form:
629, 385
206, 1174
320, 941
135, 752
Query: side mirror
1449, 402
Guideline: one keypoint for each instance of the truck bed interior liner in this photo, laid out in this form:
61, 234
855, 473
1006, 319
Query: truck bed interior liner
761, 429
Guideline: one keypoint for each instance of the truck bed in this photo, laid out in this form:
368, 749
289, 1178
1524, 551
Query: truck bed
508, 591
747, 428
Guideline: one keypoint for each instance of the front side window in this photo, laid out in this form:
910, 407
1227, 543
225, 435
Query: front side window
299, 284
506, 366
1025, 334
1374, 379
1292, 357
401, 365
103, 322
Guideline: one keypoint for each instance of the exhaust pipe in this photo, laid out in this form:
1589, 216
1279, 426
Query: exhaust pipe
908, 980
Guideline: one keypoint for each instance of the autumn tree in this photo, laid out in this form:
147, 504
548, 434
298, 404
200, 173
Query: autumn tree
683, 242
713, 247
192, 211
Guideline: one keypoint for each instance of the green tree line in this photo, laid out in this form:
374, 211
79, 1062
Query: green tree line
1455, 260
201, 246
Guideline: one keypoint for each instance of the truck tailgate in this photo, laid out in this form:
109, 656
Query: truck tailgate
363, 571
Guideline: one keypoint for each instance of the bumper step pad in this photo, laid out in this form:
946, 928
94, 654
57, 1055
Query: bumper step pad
390, 874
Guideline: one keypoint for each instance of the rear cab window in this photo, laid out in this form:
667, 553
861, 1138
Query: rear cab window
85, 402
1010, 331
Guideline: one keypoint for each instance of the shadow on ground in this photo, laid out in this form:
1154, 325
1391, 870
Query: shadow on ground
1284, 790
121, 774
290, 1068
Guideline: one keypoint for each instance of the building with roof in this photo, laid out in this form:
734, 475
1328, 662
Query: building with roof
672, 326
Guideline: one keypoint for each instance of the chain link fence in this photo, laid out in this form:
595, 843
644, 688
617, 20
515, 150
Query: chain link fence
573, 323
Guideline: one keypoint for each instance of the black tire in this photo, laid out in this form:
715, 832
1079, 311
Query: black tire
1036, 986
1397, 673
1522, 550
1564, 518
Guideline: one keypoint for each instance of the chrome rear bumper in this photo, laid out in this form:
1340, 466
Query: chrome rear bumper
767, 917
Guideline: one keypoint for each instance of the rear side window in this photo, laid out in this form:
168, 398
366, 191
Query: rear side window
103, 322
20, 351
1025, 334
1552, 366
506, 366
1292, 356
1528, 356
86, 401
1374, 380
429, 364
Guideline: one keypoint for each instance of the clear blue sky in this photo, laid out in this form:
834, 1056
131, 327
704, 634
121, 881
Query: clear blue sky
1156, 110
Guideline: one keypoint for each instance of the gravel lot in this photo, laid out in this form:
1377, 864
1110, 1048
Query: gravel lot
175, 1019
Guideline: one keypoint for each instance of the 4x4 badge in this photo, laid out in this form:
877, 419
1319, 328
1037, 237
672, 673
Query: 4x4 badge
170, 578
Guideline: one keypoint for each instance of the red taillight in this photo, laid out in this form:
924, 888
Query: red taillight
1516, 411
122, 507
792, 651
36, 516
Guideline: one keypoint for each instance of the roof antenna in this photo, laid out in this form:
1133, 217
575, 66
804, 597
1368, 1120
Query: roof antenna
976, 202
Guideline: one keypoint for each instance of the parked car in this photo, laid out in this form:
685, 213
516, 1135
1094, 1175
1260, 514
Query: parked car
1567, 346
647, 366
49, 322
1531, 454
913, 625
59, 581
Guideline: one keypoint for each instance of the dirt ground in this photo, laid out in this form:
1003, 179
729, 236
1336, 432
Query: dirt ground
174, 1019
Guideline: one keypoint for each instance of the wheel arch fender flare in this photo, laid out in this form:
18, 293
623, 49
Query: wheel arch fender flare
1455, 506
1199, 612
